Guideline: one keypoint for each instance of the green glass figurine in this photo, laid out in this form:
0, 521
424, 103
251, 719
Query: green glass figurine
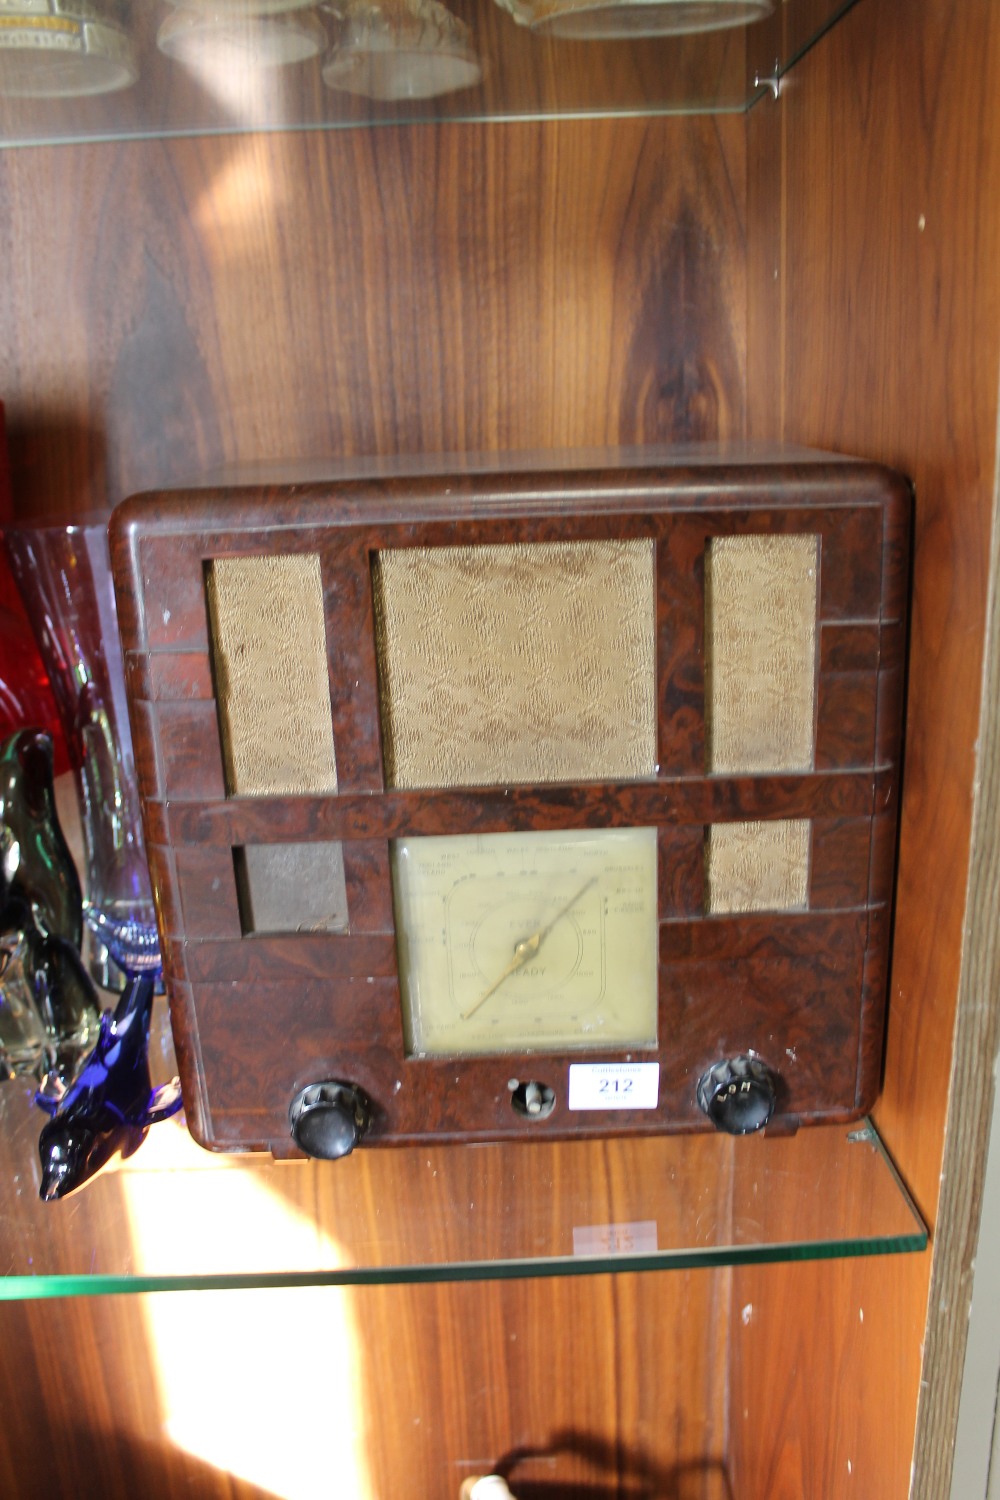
48, 1005
36, 864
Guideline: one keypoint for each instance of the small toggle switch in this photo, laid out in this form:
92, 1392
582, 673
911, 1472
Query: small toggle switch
532, 1100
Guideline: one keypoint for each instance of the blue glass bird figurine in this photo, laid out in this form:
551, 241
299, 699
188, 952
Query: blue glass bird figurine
111, 1104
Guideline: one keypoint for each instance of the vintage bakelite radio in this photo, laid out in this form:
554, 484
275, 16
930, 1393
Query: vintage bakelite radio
528, 805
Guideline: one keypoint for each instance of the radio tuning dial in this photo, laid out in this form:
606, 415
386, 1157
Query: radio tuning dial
738, 1094
328, 1120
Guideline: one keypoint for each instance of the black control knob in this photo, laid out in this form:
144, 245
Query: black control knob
737, 1094
329, 1119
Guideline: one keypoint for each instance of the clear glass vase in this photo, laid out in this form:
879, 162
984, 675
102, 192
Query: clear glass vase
63, 572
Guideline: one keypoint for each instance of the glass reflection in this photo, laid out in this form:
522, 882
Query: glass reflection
215, 42
400, 49
610, 20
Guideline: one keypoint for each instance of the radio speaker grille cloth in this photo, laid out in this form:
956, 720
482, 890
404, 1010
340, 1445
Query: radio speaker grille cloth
760, 653
269, 651
757, 866
524, 663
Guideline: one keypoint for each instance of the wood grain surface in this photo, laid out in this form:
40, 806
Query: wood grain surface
977, 1036
592, 1389
874, 327
917, 379
181, 305
412, 290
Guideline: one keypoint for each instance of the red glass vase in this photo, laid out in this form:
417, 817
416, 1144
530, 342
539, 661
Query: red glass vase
63, 572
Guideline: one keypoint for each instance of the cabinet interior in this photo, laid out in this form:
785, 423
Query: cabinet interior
808, 273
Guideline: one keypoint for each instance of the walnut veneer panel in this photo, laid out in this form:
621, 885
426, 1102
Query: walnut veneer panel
874, 326
823, 1361
454, 289
872, 361
606, 1386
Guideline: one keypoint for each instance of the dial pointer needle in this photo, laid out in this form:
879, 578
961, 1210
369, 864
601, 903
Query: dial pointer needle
527, 948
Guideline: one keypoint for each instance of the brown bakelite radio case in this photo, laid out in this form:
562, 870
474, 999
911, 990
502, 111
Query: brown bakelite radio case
523, 806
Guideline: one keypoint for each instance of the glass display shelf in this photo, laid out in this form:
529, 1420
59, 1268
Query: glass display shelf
89, 70
175, 1217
